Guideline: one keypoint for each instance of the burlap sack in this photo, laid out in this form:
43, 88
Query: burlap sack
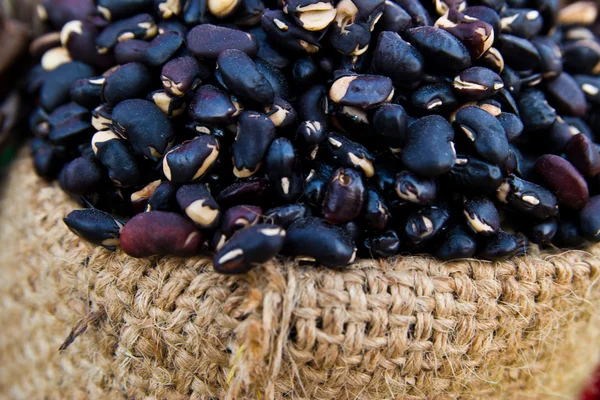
167, 328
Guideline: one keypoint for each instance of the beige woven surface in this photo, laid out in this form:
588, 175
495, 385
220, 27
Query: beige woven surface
169, 328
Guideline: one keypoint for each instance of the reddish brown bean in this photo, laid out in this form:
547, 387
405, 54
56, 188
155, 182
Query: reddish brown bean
584, 155
563, 179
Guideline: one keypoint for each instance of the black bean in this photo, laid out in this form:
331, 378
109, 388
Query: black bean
171, 106
79, 38
316, 185
512, 81
127, 81
536, 113
312, 105
87, 92
266, 51
59, 12
441, 49
211, 105
139, 199
425, 223
350, 154
284, 170
145, 126
363, 91
81, 176
163, 198
141, 26
48, 160
243, 78
482, 216
414, 189
477, 83
255, 134
113, 10
550, 55
399, 60
564, 180
276, 79
208, 41
191, 160
523, 22
285, 215
485, 14
476, 35
543, 232
281, 113
72, 130
512, 124
384, 245
347, 37
527, 197
417, 11
116, 155
96, 227
470, 175
304, 72
375, 214
160, 233
57, 84
429, 150
344, 196
582, 57
485, 132
287, 34
391, 122
565, 94
197, 203
457, 242
492, 59
313, 239
498, 247
568, 233
517, 52
249, 247
195, 12
394, 18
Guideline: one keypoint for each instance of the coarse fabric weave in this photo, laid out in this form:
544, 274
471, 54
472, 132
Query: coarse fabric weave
169, 328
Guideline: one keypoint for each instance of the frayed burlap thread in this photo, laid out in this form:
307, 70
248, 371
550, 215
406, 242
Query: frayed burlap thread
168, 328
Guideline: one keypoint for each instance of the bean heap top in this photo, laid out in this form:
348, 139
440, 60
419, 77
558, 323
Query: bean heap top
321, 129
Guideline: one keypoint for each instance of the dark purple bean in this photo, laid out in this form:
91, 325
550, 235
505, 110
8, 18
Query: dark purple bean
316, 240
139, 199
208, 41
160, 233
344, 197
212, 105
191, 160
564, 180
95, 226
584, 155
476, 35
248, 247
240, 217
249, 191
470, 175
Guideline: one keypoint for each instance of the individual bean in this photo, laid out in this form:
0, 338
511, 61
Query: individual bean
493, 60
362, 91
414, 189
550, 55
96, 227
512, 124
471, 175
584, 155
154, 53
208, 41
344, 196
140, 26
441, 49
536, 113
171, 106
564, 180
284, 170
429, 150
253, 191
476, 35
287, 34
383, 245
191, 160
498, 247
316, 185
281, 113
375, 214
285, 215
457, 242
56, 86
116, 156
518, 52
160, 233
212, 105
350, 154
240, 217
485, 132
399, 60
482, 216
527, 197
542, 233
477, 83
243, 78
582, 57
127, 81
197, 203
425, 223
522, 22
566, 96
163, 198
87, 92
81, 176
437, 98
390, 121
145, 126
316, 240
312, 106
394, 18
255, 134
248, 247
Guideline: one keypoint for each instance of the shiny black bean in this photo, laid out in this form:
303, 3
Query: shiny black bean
384, 245
287, 34
477, 83
212, 105
313, 239
197, 203
191, 160
438, 98
249, 247
527, 197
285, 215
145, 126
208, 41
243, 78
117, 157
81, 176
512, 124
141, 26
255, 134
536, 113
414, 189
518, 53
582, 57
350, 154
57, 84
470, 175
485, 132
566, 96
348, 35
375, 214
95, 226
344, 196
127, 81
482, 216
394, 18
543, 232
429, 150
522, 22
441, 50
498, 247
456, 242
563, 179
390, 121
171, 106
236, 218
284, 170
399, 60
160, 233
425, 223
362, 91
476, 35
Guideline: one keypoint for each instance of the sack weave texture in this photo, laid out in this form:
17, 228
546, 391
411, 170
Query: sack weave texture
169, 328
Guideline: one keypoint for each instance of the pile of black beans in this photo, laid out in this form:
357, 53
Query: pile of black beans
324, 130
